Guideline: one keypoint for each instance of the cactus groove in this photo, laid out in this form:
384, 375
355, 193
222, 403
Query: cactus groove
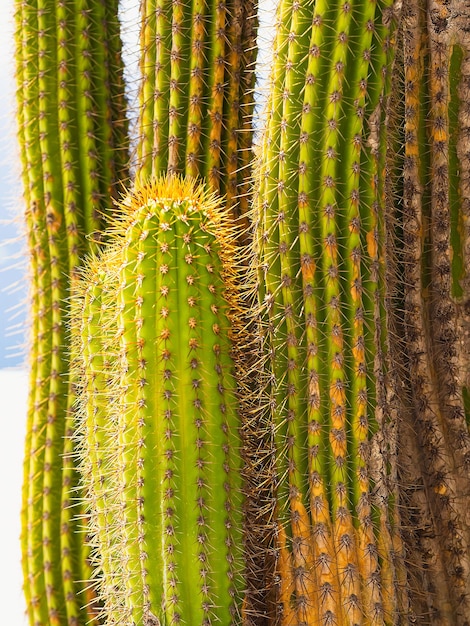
67, 70
159, 420
320, 248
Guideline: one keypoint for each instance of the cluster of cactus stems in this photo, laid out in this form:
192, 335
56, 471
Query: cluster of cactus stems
73, 140
161, 435
196, 101
270, 421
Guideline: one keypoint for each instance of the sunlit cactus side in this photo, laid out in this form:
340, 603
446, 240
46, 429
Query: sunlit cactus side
196, 98
160, 423
320, 248
94, 366
68, 70
429, 213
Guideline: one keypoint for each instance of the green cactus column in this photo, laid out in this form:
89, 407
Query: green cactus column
196, 99
95, 365
160, 418
320, 253
432, 274
67, 70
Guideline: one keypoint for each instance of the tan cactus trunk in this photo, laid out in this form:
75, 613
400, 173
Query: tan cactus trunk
429, 280
196, 97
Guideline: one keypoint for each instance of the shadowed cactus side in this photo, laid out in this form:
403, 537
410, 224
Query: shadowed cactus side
320, 248
72, 146
161, 447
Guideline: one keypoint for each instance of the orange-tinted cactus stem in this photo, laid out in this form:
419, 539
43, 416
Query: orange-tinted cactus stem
318, 253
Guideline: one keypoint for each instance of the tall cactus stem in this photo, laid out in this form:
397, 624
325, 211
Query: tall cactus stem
318, 253
54, 44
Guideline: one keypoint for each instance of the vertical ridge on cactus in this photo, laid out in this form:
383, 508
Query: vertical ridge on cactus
65, 180
172, 447
319, 256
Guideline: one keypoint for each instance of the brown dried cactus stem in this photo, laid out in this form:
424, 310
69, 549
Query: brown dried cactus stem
432, 267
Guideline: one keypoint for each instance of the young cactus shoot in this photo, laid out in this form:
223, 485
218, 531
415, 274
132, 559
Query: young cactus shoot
160, 418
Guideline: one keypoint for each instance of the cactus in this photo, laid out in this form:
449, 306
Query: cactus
320, 249
429, 313
67, 71
196, 97
160, 423
72, 133
354, 387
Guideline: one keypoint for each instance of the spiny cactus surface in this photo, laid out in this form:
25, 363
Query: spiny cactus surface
161, 447
319, 247
68, 70
196, 100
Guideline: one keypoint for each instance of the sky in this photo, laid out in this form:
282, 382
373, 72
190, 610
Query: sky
12, 411
12, 251
13, 306
13, 382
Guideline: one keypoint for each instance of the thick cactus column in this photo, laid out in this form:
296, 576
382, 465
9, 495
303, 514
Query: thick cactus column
432, 281
160, 419
196, 100
320, 250
67, 72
